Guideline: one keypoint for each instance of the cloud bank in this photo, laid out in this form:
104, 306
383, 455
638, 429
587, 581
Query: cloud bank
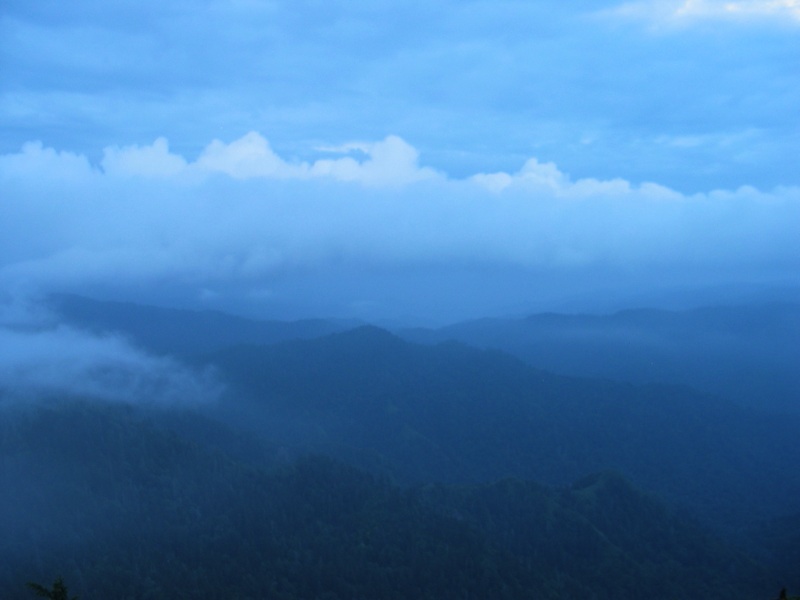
241, 217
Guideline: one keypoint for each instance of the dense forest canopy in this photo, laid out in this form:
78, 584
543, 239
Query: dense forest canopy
138, 511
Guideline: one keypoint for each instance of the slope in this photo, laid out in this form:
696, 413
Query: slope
747, 353
455, 414
121, 506
182, 332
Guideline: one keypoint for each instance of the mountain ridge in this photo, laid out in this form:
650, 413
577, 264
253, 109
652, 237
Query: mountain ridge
746, 353
464, 414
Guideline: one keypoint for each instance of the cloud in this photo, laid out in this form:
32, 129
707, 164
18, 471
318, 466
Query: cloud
147, 161
700, 9
249, 156
546, 178
39, 358
34, 160
687, 11
241, 220
391, 161
476, 86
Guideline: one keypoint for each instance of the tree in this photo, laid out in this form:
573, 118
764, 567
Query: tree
59, 591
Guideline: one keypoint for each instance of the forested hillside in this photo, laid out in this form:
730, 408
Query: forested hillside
453, 413
467, 456
122, 507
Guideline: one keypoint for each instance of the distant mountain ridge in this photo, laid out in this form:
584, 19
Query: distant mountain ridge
450, 412
453, 413
181, 331
747, 353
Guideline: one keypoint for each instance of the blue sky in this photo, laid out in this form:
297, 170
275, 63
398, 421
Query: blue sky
398, 159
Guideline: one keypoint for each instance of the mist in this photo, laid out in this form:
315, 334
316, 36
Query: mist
44, 360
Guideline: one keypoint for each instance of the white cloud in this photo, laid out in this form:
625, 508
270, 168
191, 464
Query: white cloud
241, 217
677, 12
249, 156
34, 160
391, 162
149, 161
740, 8
546, 178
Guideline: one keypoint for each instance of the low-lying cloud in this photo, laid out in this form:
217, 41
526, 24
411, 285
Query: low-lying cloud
40, 358
241, 216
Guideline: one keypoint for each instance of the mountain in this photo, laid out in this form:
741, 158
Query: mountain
179, 331
747, 353
123, 506
599, 529
442, 414
452, 413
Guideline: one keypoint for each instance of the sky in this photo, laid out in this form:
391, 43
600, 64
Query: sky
415, 162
